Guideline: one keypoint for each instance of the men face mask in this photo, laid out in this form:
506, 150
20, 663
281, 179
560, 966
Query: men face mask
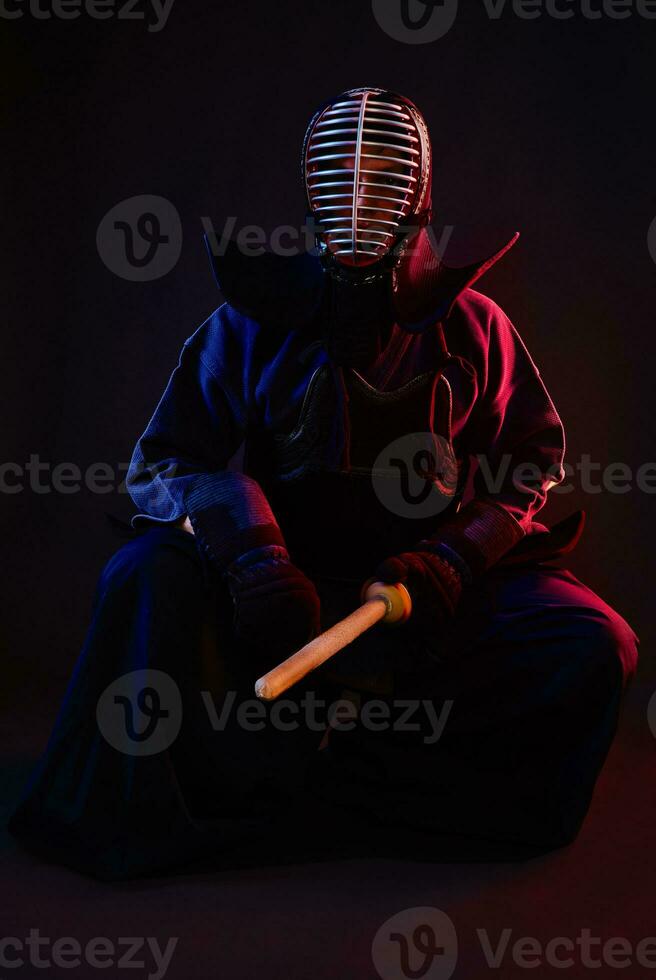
367, 172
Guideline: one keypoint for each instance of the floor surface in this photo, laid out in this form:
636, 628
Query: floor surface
320, 921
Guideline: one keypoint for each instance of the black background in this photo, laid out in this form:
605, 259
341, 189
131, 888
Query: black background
538, 125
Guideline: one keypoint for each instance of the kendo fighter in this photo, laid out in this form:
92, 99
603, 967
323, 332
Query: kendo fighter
356, 411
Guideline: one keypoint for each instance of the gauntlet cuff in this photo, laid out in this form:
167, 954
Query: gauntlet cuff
476, 539
231, 516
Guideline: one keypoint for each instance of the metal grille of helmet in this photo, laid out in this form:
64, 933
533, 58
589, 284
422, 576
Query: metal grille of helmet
363, 172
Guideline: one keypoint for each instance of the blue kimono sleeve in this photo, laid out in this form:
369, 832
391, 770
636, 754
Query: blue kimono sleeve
198, 425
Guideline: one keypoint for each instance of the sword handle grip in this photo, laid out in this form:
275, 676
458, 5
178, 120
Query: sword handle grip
396, 598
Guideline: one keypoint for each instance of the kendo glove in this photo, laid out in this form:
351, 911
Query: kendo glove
434, 585
438, 569
275, 604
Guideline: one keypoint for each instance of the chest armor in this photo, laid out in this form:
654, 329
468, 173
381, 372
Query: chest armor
363, 474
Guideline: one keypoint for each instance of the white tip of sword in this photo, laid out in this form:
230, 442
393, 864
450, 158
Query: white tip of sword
262, 690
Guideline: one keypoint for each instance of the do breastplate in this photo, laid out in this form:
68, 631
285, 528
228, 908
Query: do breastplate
364, 473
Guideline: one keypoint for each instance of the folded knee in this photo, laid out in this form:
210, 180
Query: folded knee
609, 638
160, 554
